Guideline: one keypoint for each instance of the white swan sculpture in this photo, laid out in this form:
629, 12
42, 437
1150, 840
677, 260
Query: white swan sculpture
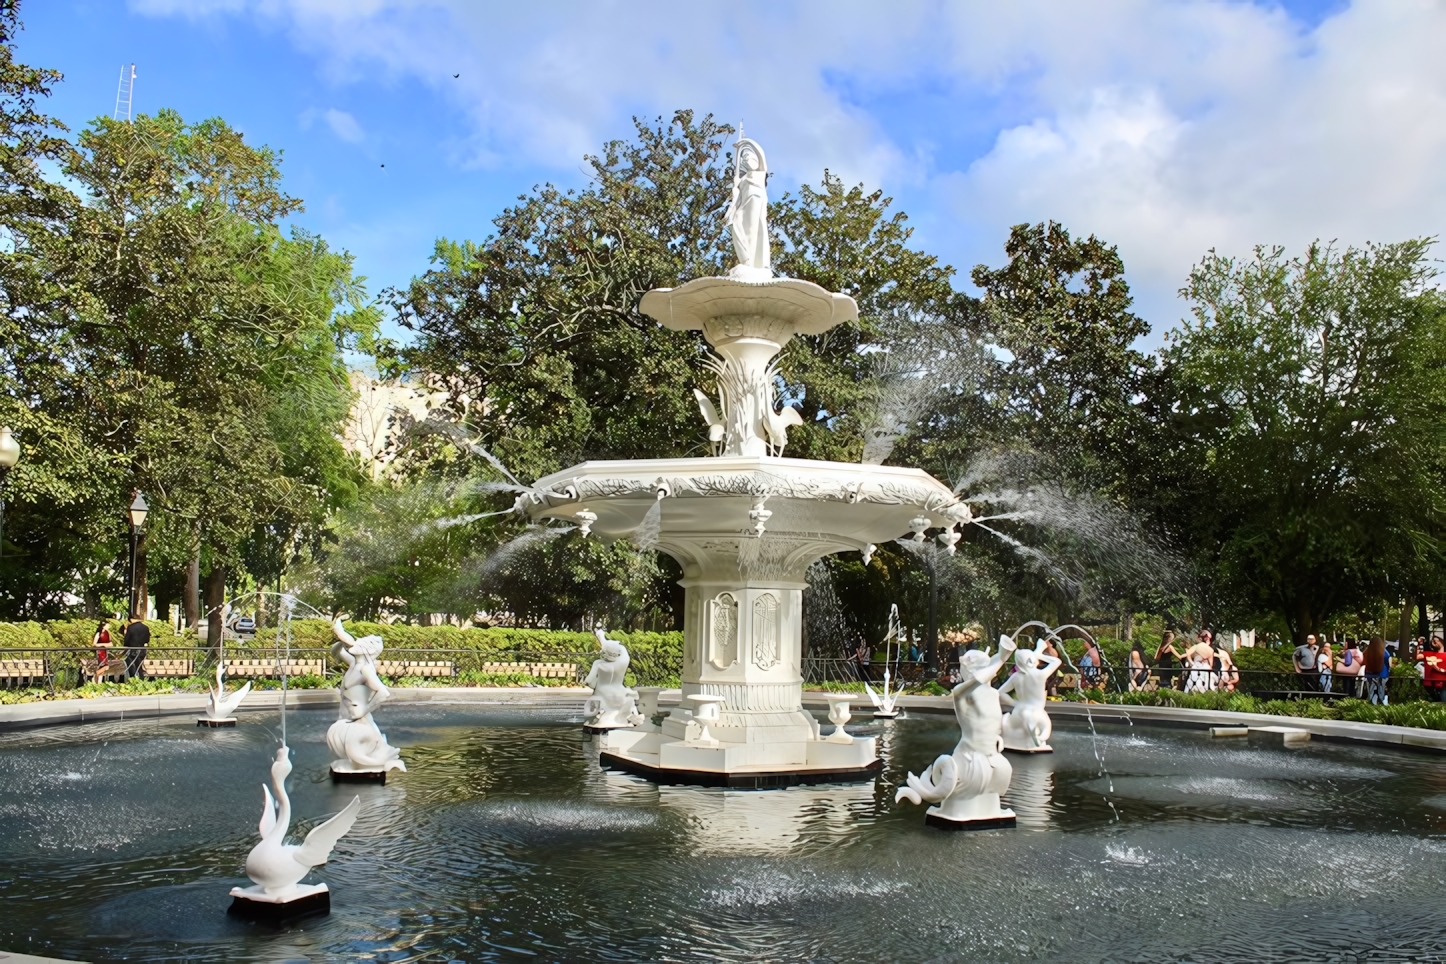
220, 708
884, 706
277, 867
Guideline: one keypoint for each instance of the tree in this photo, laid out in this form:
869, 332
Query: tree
1302, 430
173, 339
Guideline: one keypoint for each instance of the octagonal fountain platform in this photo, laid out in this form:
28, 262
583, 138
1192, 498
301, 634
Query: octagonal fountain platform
504, 841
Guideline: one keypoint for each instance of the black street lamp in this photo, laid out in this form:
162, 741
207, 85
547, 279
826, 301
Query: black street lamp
9, 455
137, 514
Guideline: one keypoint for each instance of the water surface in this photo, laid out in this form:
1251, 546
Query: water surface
504, 841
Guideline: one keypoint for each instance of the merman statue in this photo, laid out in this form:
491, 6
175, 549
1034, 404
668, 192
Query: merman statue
361, 751
1026, 727
965, 785
613, 704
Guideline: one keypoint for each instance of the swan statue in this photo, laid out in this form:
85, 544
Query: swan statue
220, 708
965, 786
361, 751
884, 706
716, 427
277, 867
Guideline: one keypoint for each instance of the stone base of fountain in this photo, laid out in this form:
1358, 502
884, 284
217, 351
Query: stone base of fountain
596, 730
740, 778
888, 714
343, 771
254, 903
677, 754
207, 721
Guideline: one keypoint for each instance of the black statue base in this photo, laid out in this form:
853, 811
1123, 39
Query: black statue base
319, 903
988, 823
215, 724
358, 776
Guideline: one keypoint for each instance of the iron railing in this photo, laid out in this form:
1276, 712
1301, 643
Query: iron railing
58, 669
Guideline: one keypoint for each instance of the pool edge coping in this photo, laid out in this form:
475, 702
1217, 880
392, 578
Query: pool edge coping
18, 716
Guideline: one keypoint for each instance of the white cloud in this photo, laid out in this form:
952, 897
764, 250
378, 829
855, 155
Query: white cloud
1168, 128
343, 125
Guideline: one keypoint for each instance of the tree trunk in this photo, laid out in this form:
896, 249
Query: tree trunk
191, 595
1423, 621
1404, 630
215, 599
1128, 622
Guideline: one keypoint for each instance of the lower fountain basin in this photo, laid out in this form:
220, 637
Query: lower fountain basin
505, 840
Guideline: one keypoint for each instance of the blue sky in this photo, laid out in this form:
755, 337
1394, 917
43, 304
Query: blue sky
1166, 128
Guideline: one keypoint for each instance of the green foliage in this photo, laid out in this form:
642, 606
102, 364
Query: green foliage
1301, 429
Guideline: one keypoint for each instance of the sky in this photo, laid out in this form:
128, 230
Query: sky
1166, 128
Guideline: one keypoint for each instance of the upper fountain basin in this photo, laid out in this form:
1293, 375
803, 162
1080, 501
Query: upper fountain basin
708, 505
727, 309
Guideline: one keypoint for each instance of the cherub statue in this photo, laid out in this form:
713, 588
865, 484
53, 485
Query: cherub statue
1027, 726
355, 741
612, 704
965, 785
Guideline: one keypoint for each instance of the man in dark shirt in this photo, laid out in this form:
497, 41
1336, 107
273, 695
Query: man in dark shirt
138, 637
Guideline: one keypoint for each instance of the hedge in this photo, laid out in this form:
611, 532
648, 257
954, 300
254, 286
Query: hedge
316, 634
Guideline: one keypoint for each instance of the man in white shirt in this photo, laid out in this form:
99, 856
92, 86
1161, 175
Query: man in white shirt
1304, 659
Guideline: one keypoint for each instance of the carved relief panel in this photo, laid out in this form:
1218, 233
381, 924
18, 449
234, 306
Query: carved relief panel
766, 634
724, 626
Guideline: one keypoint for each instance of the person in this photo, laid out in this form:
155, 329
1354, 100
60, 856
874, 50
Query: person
1089, 666
1199, 663
916, 655
1165, 656
1433, 670
1324, 661
100, 642
1139, 670
1351, 667
1376, 663
1225, 669
862, 656
1051, 685
137, 639
1304, 659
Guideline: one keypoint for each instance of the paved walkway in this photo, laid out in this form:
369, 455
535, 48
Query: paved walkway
53, 712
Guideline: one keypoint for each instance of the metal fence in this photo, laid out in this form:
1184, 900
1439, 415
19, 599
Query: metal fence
57, 669
1259, 683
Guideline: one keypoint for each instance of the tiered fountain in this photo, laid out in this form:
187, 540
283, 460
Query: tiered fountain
744, 525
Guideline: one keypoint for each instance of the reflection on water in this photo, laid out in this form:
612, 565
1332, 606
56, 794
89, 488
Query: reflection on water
505, 841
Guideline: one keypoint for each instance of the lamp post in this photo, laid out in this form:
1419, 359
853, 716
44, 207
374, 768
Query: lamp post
9, 455
137, 514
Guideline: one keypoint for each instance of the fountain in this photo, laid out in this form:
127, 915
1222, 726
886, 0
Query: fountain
884, 706
744, 524
613, 704
221, 707
1027, 726
965, 785
361, 751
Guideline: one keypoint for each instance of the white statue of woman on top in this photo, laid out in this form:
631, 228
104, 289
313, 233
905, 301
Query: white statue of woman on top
612, 704
355, 741
748, 212
965, 785
1027, 726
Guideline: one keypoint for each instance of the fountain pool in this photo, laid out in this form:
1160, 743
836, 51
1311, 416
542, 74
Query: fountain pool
504, 840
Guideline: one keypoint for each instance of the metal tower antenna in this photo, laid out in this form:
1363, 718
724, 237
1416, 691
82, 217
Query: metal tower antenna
123, 92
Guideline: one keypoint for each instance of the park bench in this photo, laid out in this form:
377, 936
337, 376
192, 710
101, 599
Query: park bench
268, 667
115, 666
540, 670
396, 668
29, 670
554, 670
177, 668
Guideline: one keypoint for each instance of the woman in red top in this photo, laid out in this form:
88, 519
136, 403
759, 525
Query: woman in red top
101, 642
1433, 670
